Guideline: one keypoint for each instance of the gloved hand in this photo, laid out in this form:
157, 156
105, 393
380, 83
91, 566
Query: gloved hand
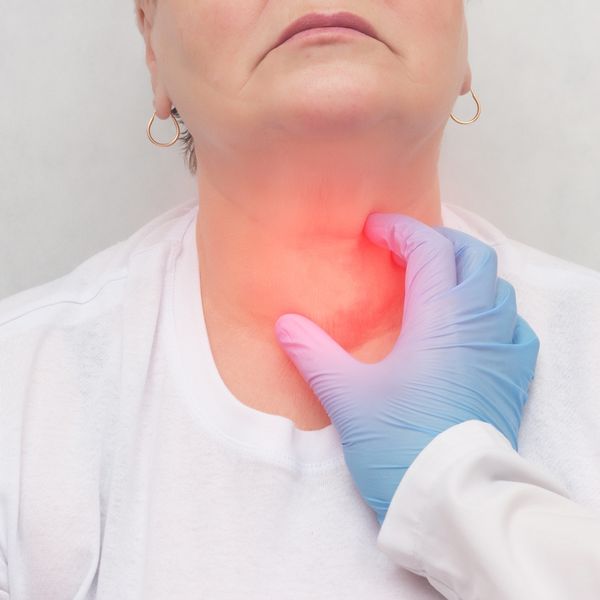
463, 353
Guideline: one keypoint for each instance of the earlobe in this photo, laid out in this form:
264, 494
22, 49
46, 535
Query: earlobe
162, 102
139, 19
467, 83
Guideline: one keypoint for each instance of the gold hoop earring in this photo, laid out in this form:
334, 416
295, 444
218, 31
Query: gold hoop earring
164, 145
475, 117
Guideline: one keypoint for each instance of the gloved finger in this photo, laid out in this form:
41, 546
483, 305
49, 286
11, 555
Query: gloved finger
506, 309
427, 254
476, 268
529, 343
525, 335
325, 366
492, 325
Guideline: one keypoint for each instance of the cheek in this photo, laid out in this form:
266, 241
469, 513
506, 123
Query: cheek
211, 35
430, 36
435, 44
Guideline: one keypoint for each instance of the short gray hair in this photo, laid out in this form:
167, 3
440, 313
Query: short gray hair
186, 142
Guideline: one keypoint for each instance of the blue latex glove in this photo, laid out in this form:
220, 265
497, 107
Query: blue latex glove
463, 353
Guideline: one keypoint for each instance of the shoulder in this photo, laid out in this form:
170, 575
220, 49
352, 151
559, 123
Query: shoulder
96, 283
531, 266
66, 337
63, 343
546, 272
559, 298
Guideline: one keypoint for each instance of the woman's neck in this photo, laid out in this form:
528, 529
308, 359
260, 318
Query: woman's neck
274, 239
261, 257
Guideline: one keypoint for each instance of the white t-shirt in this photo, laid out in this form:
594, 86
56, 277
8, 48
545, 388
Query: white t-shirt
130, 471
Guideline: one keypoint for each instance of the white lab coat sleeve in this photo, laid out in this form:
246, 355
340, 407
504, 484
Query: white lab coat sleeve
481, 522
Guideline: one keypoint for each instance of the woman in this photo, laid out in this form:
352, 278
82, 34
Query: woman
144, 458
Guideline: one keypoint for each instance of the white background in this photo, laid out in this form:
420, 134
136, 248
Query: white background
78, 174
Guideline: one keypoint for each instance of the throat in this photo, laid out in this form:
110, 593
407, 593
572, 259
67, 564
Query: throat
259, 374
356, 295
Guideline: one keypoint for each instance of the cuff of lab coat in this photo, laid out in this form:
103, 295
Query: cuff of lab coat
402, 531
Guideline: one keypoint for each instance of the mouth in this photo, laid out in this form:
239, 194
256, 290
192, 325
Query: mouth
317, 20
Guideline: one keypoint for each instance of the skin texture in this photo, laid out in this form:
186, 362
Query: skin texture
295, 146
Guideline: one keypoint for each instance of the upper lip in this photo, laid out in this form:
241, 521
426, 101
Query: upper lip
338, 19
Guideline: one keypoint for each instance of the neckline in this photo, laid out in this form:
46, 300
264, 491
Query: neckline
272, 437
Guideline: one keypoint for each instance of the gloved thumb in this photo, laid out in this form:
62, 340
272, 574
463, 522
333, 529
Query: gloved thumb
321, 361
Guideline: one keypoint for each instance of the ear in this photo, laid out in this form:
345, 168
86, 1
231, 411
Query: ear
139, 18
466, 86
144, 14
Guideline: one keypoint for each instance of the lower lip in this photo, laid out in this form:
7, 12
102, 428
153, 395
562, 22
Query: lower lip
336, 32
